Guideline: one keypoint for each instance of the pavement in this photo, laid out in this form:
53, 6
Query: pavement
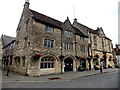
66, 76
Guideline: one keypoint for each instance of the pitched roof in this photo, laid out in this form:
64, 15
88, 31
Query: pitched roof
78, 32
45, 19
7, 39
92, 31
89, 29
108, 38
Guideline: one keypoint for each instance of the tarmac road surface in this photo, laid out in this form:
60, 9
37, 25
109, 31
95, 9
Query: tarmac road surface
104, 80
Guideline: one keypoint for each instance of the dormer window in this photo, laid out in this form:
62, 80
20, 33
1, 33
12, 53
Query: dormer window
49, 29
81, 38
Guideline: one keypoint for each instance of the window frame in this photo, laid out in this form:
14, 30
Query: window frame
48, 43
49, 29
68, 34
81, 38
47, 63
82, 48
66, 46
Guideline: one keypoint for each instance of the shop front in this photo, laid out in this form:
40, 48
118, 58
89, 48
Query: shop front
83, 63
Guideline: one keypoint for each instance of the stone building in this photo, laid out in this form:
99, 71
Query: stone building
117, 55
44, 45
100, 47
8, 50
1, 51
47, 46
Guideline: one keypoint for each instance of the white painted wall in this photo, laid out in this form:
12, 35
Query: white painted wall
118, 60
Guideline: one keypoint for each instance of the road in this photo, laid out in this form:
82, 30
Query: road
104, 80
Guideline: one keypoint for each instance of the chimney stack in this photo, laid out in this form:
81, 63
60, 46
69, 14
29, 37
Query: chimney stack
75, 20
117, 47
27, 1
26, 4
98, 28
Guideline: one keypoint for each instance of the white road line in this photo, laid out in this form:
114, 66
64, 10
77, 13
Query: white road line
21, 81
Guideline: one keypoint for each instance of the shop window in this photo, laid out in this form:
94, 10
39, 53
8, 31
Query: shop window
47, 62
95, 60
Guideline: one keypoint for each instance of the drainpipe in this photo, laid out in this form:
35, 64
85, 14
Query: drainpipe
76, 53
61, 48
61, 59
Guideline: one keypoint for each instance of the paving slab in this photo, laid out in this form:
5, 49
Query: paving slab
67, 76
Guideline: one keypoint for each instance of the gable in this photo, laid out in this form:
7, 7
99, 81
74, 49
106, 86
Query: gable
101, 33
67, 25
7, 39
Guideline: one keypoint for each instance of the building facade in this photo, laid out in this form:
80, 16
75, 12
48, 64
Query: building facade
7, 50
117, 55
100, 47
1, 51
44, 45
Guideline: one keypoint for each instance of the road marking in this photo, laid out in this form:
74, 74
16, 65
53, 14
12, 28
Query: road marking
33, 81
21, 81
67, 80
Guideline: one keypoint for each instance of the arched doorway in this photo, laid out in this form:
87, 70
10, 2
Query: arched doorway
104, 61
68, 64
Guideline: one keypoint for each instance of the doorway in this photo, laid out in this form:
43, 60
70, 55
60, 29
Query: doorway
83, 64
68, 64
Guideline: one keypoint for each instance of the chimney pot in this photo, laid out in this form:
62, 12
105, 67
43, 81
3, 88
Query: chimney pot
98, 28
27, 1
75, 19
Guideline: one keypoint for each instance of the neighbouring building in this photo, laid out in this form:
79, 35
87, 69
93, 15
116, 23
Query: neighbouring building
118, 58
100, 47
8, 50
44, 45
117, 55
1, 51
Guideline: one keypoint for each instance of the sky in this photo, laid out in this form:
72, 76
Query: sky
92, 13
